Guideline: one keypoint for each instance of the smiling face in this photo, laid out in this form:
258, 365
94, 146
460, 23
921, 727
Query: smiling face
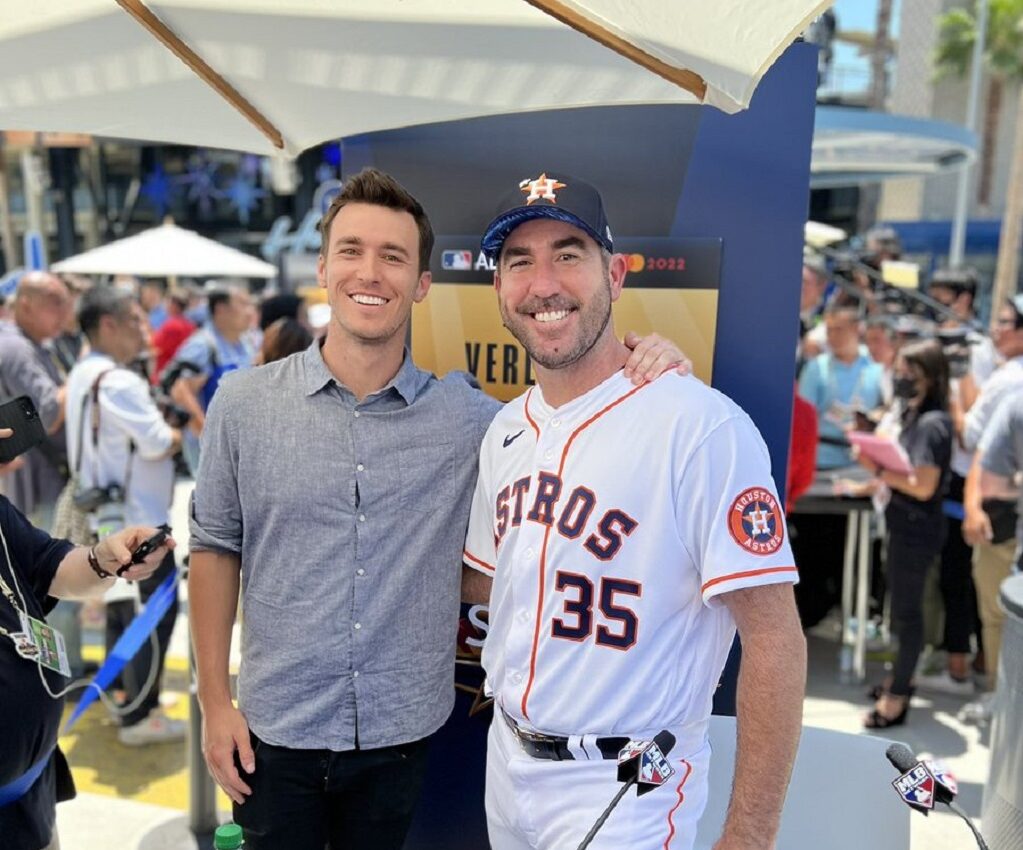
555, 290
371, 273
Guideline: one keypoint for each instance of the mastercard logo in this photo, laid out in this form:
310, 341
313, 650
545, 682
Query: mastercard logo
637, 262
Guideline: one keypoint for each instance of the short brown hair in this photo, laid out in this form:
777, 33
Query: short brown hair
372, 186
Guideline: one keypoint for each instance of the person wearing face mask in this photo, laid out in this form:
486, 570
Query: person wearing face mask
914, 516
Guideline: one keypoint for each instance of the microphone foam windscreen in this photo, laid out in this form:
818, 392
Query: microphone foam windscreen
901, 757
665, 741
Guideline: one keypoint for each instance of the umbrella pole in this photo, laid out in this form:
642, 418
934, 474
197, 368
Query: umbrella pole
10, 247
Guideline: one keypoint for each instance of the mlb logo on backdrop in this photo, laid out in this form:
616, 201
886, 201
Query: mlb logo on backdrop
456, 261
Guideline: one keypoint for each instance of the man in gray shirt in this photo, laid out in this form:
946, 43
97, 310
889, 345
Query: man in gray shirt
41, 307
1001, 460
335, 484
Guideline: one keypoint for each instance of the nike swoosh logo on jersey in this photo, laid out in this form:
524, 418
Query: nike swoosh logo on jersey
511, 439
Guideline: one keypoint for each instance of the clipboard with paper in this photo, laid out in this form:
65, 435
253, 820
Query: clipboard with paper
884, 452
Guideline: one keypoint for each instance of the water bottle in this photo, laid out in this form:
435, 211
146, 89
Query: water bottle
845, 665
228, 837
845, 658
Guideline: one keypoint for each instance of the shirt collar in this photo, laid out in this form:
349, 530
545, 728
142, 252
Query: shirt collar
318, 375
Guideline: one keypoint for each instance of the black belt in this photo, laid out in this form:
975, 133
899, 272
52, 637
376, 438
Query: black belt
555, 748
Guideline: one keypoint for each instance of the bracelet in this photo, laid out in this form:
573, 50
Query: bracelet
94, 564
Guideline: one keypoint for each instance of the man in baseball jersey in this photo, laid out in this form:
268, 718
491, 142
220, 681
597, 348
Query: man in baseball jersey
627, 532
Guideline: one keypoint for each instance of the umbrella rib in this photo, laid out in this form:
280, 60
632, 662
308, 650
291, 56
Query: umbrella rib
157, 28
686, 79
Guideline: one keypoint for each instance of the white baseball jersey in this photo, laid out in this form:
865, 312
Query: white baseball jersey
610, 526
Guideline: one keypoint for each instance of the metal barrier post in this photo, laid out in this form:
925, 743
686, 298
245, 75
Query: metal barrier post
202, 790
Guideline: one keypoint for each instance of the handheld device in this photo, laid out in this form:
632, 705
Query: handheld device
146, 548
21, 416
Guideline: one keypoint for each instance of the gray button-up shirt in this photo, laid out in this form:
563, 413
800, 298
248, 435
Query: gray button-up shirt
349, 519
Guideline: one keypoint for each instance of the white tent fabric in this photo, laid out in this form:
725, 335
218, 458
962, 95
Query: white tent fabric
167, 251
324, 69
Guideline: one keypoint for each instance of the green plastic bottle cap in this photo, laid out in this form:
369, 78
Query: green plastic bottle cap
228, 837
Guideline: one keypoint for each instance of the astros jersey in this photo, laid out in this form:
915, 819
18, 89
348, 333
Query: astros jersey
611, 525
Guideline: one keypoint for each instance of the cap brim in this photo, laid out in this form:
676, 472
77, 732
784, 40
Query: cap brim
505, 223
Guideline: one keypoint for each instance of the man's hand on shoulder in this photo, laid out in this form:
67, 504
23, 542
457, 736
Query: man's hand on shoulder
652, 356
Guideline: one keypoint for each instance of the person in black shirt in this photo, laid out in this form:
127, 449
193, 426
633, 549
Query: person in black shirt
36, 570
914, 516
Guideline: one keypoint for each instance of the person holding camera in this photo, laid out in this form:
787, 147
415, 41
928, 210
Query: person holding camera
35, 571
121, 452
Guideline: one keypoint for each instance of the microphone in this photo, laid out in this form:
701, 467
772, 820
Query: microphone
640, 763
921, 784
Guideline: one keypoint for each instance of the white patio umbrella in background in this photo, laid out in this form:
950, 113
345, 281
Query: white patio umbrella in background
166, 251
284, 75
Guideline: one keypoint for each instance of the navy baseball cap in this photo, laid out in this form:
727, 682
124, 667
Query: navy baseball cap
552, 195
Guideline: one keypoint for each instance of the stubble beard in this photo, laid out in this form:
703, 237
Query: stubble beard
593, 320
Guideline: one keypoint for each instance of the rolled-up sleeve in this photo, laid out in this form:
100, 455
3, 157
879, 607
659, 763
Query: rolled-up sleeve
215, 521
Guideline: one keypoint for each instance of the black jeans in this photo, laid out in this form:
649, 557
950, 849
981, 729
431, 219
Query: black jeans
909, 560
312, 799
136, 671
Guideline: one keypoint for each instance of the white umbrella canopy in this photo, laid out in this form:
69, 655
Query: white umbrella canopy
166, 251
268, 75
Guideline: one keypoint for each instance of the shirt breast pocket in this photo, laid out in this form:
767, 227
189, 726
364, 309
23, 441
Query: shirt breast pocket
428, 468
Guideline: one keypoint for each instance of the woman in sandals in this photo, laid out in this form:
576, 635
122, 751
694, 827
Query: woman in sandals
914, 516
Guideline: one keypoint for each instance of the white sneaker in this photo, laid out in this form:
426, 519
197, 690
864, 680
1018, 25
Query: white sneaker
155, 729
943, 683
979, 711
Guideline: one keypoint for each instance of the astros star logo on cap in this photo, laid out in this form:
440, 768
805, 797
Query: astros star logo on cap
542, 187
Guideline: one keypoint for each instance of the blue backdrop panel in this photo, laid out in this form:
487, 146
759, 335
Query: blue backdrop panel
663, 171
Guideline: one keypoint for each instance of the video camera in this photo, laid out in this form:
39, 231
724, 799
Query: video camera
89, 501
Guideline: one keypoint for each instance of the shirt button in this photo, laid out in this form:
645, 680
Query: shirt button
362, 517
359, 467
529, 553
357, 626
524, 616
356, 414
360, 572
355, 674
516, 677
547, 455
556, 422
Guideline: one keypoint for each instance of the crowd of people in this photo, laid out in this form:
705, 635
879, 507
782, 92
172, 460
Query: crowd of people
121, 373
915, 370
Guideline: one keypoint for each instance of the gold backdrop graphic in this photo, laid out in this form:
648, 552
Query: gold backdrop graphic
458, 326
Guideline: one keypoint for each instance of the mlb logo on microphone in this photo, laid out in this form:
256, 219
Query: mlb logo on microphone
654, 768
916, 787
943, 776
456, 261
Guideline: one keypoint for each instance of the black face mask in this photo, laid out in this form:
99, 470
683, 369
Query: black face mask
904, 388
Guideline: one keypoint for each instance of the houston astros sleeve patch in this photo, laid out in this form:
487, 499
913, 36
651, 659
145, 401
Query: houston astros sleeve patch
755, 521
